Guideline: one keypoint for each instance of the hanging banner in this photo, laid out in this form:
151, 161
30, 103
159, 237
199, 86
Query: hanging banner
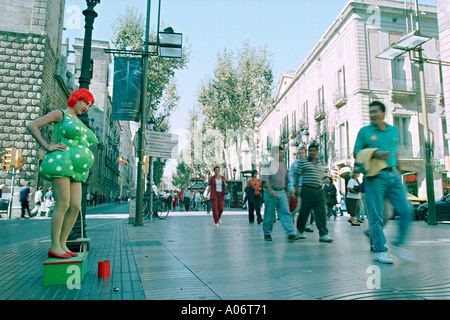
127, 89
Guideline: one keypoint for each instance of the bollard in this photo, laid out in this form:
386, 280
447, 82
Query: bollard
103, 268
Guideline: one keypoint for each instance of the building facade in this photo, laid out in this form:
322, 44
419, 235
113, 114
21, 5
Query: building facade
326, 99
127, 166
105, 173
444, 36
33, 79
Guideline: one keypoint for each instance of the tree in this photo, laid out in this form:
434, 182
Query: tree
162, 95
193, 162
236, 95
182, 176
128, 31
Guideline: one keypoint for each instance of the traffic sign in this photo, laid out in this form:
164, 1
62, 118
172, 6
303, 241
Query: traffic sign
161, 136
161, 146
159, 154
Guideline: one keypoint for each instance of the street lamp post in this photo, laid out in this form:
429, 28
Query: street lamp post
169, 45
90, 15
79, 229
141, 152
412, 43
428, 166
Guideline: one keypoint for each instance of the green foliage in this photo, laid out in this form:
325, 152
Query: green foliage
162, 95
237, 94
239, 91
182, 176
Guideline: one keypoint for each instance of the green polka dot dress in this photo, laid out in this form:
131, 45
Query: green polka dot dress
77, 159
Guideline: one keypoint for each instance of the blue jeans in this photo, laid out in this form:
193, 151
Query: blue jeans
387, 184
280, 202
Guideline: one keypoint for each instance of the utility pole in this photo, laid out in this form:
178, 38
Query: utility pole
428, 165
79, 230
141, 151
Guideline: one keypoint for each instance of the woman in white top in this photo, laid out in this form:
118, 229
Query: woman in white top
217, 188
353, 198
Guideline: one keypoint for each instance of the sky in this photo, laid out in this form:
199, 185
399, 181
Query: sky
289, 28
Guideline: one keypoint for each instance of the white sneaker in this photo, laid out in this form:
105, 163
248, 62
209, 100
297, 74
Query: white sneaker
383, 257
403, 254
325, 238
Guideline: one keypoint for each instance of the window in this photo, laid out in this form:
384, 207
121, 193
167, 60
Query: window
323, 150
375, 65
343, 141
320, 99
305, 111
341, 83
444, 133
402, 123
399, 74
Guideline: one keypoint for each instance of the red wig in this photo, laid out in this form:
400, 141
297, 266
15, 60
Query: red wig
80, 94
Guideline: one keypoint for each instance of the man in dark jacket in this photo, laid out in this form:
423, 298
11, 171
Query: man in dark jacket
25, 192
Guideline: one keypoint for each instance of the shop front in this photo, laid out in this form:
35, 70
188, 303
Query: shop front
411, 183
446, 183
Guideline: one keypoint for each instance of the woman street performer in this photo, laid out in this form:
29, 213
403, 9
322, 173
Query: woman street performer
66, 164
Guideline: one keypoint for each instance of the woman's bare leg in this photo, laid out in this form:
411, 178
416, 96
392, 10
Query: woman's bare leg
61, 192
72, 213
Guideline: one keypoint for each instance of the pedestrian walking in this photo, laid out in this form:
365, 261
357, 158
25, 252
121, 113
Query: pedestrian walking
38, 201
274, 175
253, 191
217, 188
66, 165
187, 199
49, 202
207, 201
376, 147
175, 199
197, 199
2, 186
25, 192
330, 192
312, 194
295, 202
353, 198
228, 200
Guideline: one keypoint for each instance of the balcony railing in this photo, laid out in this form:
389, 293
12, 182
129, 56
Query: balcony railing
414, 151
303, 125
319, 112
404, 85
340, 97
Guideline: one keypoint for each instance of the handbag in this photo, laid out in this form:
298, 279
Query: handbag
225, 189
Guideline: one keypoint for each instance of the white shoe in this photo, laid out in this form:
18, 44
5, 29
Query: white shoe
325, 238
383, 257
403, 254
217, 225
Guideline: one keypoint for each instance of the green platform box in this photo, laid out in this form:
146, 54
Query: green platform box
58, 271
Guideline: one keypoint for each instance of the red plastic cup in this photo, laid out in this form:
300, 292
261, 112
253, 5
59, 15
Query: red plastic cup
103, 268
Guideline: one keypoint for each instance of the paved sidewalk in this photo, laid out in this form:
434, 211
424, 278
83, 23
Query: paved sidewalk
186, 257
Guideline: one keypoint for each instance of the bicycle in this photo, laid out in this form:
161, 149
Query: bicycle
160, 207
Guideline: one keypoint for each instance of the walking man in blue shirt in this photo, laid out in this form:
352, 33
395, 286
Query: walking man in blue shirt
386, 184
